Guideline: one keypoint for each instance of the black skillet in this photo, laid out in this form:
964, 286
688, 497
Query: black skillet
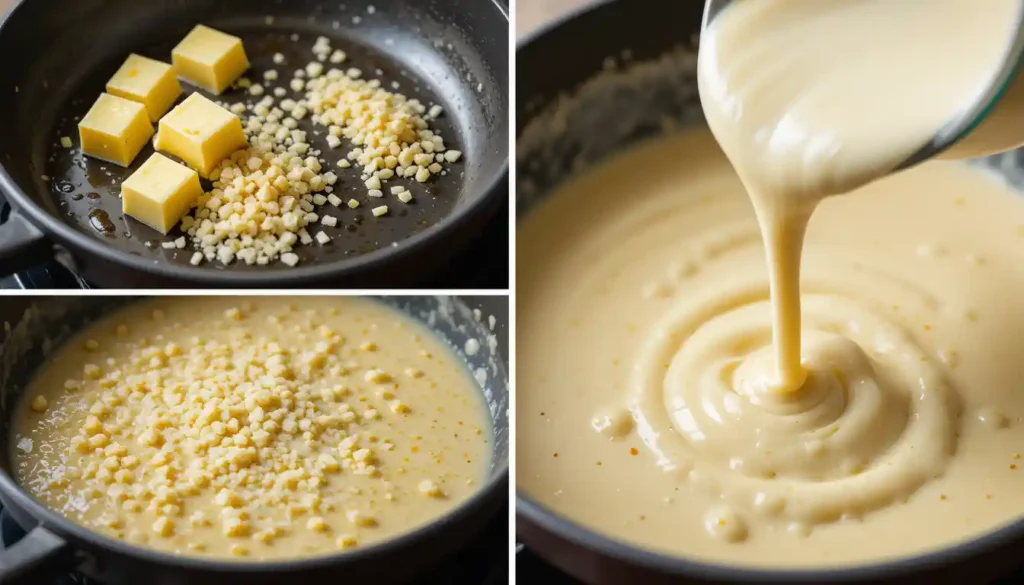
625, 73
56, 56
58, 545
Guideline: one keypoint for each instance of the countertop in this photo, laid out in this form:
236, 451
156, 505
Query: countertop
529, 13
532, 13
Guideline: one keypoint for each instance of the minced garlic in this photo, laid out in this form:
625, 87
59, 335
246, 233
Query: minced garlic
247, 426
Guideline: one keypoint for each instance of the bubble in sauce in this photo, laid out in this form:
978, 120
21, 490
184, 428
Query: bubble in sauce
737, 464
703, 481
25, 445
852, 467
679, 467
725, 524
679, 271
851, 517
769, 504
799, 529
615, 424
992, 419
657, 290
930, 250
950, 357
814, 447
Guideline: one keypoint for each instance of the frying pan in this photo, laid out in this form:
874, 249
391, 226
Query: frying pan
622, 77
57, 55
55, 544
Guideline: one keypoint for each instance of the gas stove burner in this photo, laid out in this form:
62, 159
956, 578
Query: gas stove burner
11, 533
51, 275
485, 562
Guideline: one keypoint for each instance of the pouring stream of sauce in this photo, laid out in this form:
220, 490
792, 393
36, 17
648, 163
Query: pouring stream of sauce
855, 401
810, 99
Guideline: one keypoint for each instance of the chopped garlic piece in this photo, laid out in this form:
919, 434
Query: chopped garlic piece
39, 404
430, 489
164, 526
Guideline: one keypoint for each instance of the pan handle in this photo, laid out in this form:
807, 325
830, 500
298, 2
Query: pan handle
21, 245
39, 554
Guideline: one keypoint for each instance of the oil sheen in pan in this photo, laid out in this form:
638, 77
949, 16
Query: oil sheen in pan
76, 179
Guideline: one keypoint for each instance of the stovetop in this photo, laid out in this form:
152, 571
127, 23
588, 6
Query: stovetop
483, 266
485, 562
531, 568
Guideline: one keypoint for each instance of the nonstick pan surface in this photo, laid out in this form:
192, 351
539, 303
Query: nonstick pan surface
57, 55
32, 326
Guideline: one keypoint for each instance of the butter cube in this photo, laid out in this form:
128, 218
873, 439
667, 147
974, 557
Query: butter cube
160, 192
209, 58
201, 133
115, 130
147, 81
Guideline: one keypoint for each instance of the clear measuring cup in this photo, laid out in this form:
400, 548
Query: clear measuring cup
993, 123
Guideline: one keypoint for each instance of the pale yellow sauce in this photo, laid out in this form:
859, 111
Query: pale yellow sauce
644, 324
332, 423
810, 99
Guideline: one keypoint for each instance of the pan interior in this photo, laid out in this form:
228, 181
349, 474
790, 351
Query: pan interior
33, 327
634, 88
57, 58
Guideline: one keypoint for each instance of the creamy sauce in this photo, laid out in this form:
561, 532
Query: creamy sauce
826, 431
263, 428
810, 99
644, 337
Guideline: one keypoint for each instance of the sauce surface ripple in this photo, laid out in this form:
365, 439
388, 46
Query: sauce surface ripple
253, 428
645, 339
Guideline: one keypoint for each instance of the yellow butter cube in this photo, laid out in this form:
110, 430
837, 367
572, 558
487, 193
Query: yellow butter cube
160, 192
115, 130
209, 58
147, 81
201, 133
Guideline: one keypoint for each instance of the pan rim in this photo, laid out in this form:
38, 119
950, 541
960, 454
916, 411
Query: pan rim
493, 492
680, 566
80, 242
496, 484
216, 275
